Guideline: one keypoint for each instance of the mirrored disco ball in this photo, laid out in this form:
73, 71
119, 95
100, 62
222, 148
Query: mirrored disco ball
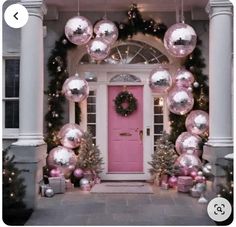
70, 135
188, 160
107, 30
183, 78
63, 159
98, 48
160, 79
180, 40
79, 30
188, 142
75, 89
179, 100
197, 122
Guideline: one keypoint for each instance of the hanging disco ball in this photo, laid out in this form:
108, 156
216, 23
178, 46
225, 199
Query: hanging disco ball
179, 100
79, 30
98, 49
160, 80
106, 30
75, 89
63, 159
70, 135
180, 40
188, 142
197, 122
183, 78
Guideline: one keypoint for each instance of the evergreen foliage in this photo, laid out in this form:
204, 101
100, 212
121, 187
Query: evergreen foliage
163, 158
89, 155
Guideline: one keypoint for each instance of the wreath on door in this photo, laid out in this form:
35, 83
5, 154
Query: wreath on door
125, 103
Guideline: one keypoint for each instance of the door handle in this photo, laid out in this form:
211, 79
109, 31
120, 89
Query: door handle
141, 135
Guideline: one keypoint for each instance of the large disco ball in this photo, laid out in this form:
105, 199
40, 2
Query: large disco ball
197, 122
160, 79
98, 48
107, 30
188, 161
180, 40
79, 30
70, 135
63, 159
183, 78
75, 89
187, 141
179, 100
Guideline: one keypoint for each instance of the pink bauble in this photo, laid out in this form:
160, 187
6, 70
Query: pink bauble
188, 160
75, 89
55, 173
180, 40
61, 158
98, 48
193, 174
70, 135
78, 173
173, 181
79, 30
188, 142
160, 79
183, 78
197, 122
106, 30
179, 100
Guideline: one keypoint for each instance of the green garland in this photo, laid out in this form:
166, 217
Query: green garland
125, 97
136, 24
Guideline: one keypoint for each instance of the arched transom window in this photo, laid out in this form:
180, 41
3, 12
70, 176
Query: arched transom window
131, 52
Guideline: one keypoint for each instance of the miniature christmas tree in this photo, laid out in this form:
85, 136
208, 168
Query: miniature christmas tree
163, 159
89, 156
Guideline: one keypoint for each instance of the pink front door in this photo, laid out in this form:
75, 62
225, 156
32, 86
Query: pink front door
125, 145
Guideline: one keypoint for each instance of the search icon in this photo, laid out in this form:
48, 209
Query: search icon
219, 209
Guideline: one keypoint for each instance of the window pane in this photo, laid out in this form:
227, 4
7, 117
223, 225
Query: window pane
158, 119
91, 109
11, 114
158, 109
91, 99
158, 129
12, 69
92, 129
91, 118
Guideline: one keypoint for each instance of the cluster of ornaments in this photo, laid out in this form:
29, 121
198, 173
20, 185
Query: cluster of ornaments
79, 31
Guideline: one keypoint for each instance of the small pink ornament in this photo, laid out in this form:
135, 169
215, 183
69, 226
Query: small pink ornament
173, 181
55, 173
183, 78
193, 174
78, 173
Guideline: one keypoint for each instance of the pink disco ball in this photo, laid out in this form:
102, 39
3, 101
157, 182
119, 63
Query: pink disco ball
62, 158
75, 89
180, 40
160, 80
55, 173
183, 78
179, 100
98, 48
172, 181
197, 122
79, 30
106, 30
70, 135
193, 174
78, 173
188, 142
188, 161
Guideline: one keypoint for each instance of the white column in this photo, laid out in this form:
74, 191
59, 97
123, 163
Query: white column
31, 76
220, 73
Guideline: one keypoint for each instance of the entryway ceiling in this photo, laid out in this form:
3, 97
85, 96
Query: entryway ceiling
123, 5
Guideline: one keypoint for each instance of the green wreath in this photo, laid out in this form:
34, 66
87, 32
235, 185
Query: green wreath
125, 97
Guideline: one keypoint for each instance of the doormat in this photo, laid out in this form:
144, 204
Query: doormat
122, 188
